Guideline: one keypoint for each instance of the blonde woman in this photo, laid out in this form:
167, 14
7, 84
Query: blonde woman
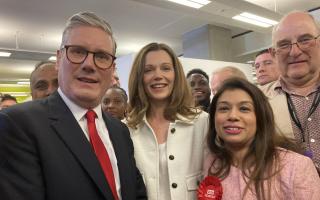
167, 130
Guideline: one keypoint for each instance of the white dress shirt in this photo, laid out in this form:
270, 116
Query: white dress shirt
79, 114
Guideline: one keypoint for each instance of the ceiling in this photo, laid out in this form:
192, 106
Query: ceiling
32, 29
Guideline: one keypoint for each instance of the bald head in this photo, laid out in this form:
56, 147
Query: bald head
289, 18
297, 49
43, 80
222, 74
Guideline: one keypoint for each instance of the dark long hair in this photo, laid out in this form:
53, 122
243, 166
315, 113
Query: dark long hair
261, 161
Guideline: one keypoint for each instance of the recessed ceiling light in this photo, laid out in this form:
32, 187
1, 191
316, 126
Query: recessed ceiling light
23, 83
258, 18
192, 3
53, 58
4, 54
255, 20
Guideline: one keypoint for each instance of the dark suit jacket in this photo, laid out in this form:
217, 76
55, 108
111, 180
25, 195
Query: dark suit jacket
44, 154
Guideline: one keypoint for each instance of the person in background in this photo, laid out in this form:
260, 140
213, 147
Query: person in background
115, 101
249, 157
7, 100
223, 74
43, 80
115, 79
167, 130
64, 146
295, 97
199, 83
266, 67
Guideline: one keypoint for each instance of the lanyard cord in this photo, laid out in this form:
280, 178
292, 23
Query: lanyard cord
293, 112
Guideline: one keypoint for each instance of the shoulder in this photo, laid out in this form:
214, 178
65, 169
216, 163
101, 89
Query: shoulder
292, 162
269, 89
200, 117
291, 157
27, 110
115, 123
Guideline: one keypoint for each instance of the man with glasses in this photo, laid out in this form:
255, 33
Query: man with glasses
64, 146
295, 96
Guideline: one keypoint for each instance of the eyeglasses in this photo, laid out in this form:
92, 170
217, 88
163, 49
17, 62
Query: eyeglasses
304, 43
78, 54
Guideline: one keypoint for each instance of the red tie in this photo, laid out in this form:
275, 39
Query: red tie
101, 152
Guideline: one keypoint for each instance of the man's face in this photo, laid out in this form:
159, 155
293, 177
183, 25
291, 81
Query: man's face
266, 69
199, 86
44, 82
85, 83
218, 78
7, 103
115, 79
297, 66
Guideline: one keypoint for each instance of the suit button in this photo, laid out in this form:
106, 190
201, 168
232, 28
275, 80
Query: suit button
173, 130
174, 185
171, 157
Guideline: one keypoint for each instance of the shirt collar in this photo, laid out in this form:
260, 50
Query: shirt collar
180, 119
77, 111
281, 86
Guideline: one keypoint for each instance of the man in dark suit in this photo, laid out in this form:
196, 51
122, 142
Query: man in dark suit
47, 148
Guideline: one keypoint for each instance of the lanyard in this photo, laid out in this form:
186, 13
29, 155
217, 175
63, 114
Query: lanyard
293, 111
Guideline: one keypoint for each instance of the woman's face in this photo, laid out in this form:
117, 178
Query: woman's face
235, 119
159, 75
114, 103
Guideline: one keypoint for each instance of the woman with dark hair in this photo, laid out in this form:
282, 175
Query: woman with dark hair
247, 154
115, 101
167, 131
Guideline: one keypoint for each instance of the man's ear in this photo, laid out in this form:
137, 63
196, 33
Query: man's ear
58, 55
272, 52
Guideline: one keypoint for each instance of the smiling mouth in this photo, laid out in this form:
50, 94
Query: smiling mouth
296, 62
86, 80
158, 86
232, 130
262, 76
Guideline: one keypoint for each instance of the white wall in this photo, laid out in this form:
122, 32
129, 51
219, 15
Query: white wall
211, 65
124, 64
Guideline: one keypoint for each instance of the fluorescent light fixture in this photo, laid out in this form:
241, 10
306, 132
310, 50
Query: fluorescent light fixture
251, 21
53, 58
258, 18
250, 62
192, 3
17, 94
23, 83
4, 54
255, 20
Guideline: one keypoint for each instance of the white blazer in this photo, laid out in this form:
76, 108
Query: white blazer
185, 151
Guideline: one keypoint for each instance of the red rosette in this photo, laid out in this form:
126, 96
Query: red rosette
210, 189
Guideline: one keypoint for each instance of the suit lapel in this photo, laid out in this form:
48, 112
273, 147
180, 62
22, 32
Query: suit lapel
121, 150
68, 129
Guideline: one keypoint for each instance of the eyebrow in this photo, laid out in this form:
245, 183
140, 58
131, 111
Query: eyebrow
165, 63
300, 36
95, 51
241, 102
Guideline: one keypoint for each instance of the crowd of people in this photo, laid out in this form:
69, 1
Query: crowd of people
83, 137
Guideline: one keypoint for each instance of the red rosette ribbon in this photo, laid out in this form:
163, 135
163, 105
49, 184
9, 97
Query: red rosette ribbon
210, 189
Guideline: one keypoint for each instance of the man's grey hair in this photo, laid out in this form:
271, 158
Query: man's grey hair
39, 65
87, 19
275, 28
234, 70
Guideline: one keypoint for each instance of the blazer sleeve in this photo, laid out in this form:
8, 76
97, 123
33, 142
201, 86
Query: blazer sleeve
306, 182
20, 171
